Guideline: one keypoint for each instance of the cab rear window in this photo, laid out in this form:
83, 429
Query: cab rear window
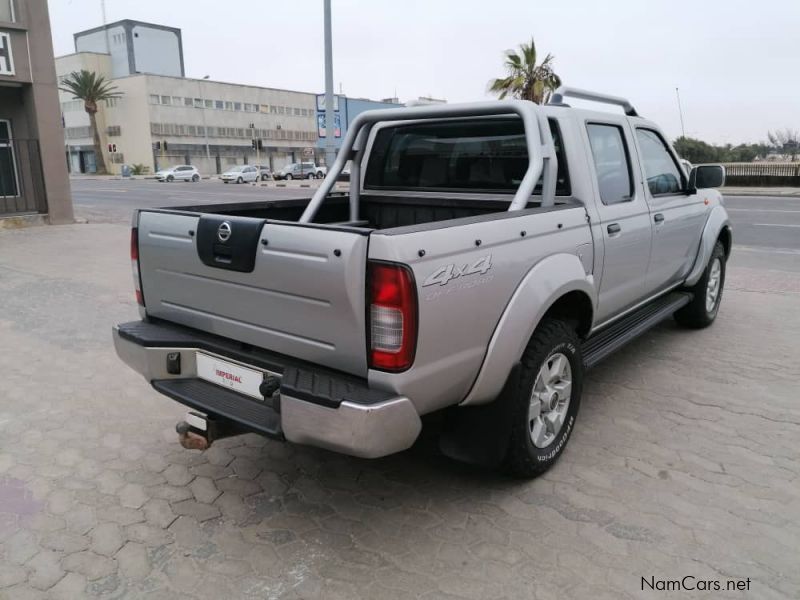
478, 155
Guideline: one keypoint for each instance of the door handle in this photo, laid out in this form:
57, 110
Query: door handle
614, 228
658, 218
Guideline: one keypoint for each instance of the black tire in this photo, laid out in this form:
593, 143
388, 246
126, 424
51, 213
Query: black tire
696, 314
288, 177
170, 179
195, 178
310, 176
523, 458
225, 182
320, 175
240, 180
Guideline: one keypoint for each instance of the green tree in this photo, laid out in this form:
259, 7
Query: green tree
526, 79
92, 89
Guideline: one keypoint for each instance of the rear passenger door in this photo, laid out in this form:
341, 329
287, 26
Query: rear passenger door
624, 217
677, 217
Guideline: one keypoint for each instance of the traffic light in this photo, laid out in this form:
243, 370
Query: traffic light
157, 146
113, 147
165, 145
253, 144
260, 145
110, 148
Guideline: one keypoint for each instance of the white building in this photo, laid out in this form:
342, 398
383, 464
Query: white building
164, 118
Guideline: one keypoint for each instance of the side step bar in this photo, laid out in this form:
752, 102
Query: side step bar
612, 338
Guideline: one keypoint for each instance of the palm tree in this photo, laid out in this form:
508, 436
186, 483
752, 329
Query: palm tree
526, 80
92, 89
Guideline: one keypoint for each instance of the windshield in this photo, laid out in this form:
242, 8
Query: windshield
236, 169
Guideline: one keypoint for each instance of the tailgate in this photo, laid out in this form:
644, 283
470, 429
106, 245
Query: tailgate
293, 289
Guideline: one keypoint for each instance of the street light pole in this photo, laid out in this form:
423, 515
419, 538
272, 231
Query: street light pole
330, 128
680, 111
203, 113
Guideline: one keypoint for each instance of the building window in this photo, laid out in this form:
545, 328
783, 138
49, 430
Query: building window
75, 133
8, 165
273, 109
166, 100
191, 130
177, 100
7, 11
113, 131
296, 112
209, 103
228, 105
155, 128
111, 102
202, 130
237, 106
155, 99
188, 102
247, 107
240, 132
219, 104
198, 103
265, 108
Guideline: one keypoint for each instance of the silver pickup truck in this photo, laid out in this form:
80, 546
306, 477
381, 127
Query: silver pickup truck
484, 257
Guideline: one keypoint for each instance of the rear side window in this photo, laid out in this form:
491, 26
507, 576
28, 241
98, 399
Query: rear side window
663, 174
611, 162
478, 155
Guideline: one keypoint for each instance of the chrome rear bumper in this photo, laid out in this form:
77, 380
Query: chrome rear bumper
381, 424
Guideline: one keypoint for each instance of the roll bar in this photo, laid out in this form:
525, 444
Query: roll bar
541, 152
564, 92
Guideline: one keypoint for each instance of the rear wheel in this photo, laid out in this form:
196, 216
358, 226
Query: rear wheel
320, 175
547, 399
240, 180
170, 178
195, 177
703, 308
289, 177
310, 176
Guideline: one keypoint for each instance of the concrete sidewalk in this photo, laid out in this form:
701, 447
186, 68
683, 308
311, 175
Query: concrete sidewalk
760, 191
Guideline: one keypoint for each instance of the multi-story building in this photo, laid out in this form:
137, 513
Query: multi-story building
33, 175
163, 118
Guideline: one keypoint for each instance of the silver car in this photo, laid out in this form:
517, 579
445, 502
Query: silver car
179, 173
240, 174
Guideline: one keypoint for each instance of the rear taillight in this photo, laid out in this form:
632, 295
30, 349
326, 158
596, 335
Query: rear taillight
137, 280
392, 316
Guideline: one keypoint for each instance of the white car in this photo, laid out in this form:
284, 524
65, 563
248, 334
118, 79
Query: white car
240, 174
179, 173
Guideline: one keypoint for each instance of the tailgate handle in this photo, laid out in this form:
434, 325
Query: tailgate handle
228, 242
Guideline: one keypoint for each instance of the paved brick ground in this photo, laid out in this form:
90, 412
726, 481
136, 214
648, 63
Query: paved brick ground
685, 462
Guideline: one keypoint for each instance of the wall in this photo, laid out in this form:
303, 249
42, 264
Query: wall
95, 41
157, 51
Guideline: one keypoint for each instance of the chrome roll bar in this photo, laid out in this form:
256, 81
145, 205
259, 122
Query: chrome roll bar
541, 152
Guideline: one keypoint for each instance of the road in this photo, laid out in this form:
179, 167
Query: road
683, 461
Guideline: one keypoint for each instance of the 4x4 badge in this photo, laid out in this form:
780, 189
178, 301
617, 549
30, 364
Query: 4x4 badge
447, 273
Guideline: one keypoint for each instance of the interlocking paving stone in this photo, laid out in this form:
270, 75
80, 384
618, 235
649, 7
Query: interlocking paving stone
684, 461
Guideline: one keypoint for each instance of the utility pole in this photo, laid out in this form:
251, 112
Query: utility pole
330, 129
680, 111
203, 113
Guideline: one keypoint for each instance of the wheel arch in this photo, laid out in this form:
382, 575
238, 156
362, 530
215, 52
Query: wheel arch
718, 227
556, 286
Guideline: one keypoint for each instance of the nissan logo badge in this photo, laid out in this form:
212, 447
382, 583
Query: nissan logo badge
224, 232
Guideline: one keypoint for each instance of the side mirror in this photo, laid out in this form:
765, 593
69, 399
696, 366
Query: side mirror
707, 176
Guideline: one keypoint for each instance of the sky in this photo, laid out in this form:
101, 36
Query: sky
736, 62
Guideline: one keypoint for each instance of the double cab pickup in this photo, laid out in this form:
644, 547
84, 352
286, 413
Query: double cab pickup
485, 256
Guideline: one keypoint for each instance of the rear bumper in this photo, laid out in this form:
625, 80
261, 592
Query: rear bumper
314, 406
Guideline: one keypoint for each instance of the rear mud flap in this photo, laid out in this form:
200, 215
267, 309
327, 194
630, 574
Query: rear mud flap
479, 435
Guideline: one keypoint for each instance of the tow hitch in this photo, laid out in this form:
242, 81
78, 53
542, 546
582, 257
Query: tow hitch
198, 431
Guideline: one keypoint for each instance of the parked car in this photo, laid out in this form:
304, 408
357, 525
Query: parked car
179, 173
240, 174
306, 170
494, 252
264, 173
